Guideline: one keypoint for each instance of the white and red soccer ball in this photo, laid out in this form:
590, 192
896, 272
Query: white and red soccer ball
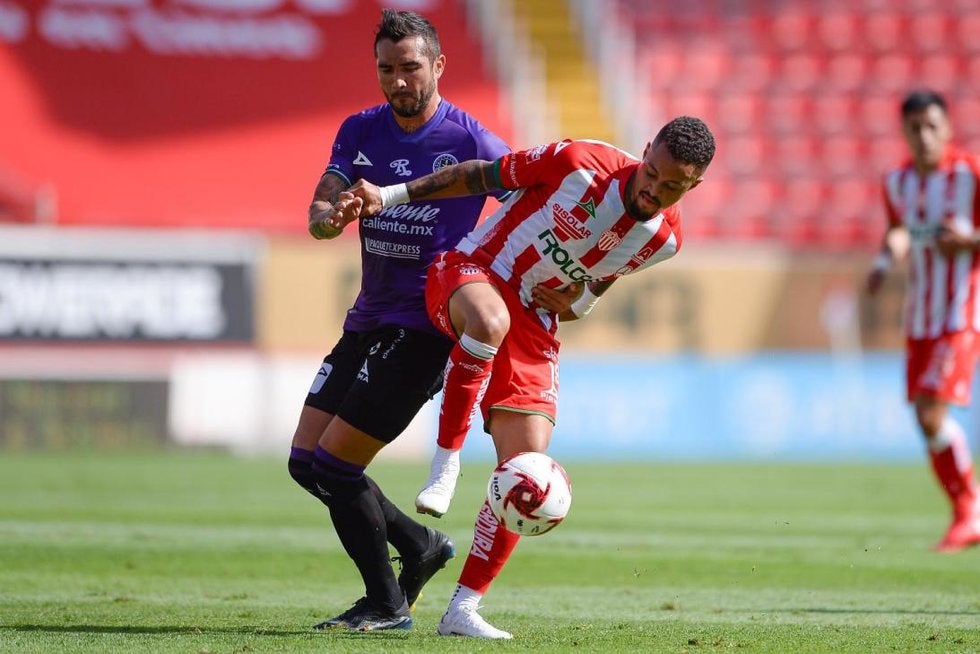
530, 493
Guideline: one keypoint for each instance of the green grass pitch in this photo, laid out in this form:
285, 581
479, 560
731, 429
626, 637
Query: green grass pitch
203, 552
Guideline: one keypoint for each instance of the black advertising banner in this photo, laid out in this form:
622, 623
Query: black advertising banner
107, 286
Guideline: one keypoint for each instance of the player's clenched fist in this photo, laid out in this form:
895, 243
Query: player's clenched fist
327, 221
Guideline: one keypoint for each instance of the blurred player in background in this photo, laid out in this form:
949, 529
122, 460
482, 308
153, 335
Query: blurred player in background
583, 211
390, 359
933, 212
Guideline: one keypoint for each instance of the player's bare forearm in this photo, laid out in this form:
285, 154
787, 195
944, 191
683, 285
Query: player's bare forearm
601, 286
472, 177
322, 207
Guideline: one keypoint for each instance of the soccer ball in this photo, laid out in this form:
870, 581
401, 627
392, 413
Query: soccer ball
530, 493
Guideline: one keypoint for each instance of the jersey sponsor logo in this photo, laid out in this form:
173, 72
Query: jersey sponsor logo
361, 160
401, 167
561, 258
567, 224
405, 219
444, 160
321, 378
609, 240
419, 213
393, 250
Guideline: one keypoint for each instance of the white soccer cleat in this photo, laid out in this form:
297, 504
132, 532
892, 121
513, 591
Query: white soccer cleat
462, 622
437, 493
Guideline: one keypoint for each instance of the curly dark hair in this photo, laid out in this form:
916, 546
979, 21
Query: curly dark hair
688, 140
396, 25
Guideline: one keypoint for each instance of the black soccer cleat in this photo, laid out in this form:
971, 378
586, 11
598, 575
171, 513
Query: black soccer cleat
417, 571
365, 616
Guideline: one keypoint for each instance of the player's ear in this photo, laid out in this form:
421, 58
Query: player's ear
696, 182
438, 66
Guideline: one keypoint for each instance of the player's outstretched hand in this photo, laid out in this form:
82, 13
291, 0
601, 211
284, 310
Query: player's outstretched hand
556, 300
951, 240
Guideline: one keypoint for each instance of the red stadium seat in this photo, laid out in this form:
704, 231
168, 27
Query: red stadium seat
842, 155
804, 100
739, 113
877, 115
845, 72
661, 64
882, 30
749, 71
838, 29
792, 27
744, 155
795, 154
703, 66
800, 71
967, 26
929, 31
787, 113
943, 71
892, 72
833, 113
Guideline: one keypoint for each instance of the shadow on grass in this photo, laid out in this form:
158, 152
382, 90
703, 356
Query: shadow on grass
198, 631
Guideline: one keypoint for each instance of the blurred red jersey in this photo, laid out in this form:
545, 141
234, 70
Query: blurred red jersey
942, 291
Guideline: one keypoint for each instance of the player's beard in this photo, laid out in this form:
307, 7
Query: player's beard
413, 110
633, 207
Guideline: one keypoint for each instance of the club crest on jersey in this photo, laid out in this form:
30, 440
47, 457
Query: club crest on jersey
535, 153
609, 240
444, 160
401, 167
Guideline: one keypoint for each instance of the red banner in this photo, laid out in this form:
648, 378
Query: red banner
204, 113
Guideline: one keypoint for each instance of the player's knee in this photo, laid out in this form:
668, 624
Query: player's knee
489, 326
301, 470
336, 482
930, 415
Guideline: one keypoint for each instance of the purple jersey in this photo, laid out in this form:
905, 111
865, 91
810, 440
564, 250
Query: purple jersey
398, 244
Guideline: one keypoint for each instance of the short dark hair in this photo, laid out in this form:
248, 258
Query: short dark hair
396, 25
922, 99
688, 140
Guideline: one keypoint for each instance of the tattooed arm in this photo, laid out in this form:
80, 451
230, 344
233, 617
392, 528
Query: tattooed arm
473, 177
322, 207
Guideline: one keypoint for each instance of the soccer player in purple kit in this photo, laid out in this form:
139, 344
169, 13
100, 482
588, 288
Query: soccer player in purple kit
390, 359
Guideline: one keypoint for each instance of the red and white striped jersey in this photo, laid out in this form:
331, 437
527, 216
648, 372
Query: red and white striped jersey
942, 291
567, 222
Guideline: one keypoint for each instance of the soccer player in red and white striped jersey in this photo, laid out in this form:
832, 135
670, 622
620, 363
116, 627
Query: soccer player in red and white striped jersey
583, 212
933, 208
